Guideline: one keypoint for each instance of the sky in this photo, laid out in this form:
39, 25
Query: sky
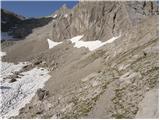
35, 8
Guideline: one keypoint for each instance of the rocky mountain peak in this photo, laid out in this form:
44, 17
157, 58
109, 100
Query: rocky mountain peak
102, 20
62, 12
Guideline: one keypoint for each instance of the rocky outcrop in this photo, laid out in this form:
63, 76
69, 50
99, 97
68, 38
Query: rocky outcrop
41, 93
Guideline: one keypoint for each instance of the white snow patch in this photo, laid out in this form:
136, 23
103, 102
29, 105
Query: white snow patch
65, 15
111, 40
52, 43
16, 95
2, 54
76, 39
91, 45
5, 36
9, 68
55, 16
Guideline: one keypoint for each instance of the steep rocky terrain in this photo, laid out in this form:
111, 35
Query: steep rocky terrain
19, 26
9, 20
116, 80
16, 27
101, 20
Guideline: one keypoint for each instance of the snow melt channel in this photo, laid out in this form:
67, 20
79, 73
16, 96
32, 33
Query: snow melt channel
91, 45
52, 44
15, 95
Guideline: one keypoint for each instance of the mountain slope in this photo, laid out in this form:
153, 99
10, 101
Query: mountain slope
18, 26
112, 81
9, 20
101, 20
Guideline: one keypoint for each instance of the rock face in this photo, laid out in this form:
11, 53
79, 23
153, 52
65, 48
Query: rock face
117, 80
100, 20
41, 94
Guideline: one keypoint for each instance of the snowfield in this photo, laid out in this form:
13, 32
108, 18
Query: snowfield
91, 45
52, 44
78, 43
15, 95
8, 69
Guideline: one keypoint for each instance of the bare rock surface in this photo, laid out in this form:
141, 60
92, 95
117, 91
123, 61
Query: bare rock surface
148, 107
116, 80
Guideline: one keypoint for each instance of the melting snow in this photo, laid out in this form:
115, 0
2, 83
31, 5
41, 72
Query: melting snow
76, 39
16, 95
91, 45
5, 36
2, 54
52, 43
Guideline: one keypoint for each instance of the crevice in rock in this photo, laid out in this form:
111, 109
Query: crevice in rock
112, 8
144, 4
152, 7
114, 19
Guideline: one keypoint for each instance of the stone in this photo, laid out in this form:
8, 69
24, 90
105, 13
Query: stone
41, 93
12, 80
